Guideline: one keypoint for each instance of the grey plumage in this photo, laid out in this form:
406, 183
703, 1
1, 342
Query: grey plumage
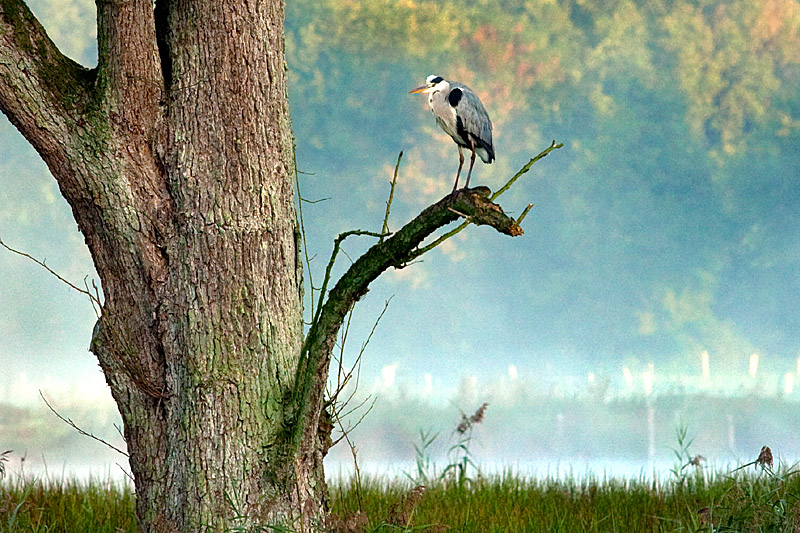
460, 114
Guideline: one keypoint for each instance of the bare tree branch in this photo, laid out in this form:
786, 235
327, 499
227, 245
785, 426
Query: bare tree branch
72, 424
385, 227
344, 377
501, 190
93, 298
397, 251
524, 213
301, 224
544, 153
337, 243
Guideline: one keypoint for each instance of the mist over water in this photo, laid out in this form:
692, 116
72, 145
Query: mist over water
561, 427
656, 284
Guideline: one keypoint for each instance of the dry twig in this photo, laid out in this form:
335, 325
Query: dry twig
385, 227
95, 299
79, 430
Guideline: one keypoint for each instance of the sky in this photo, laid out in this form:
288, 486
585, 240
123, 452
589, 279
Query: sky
629, 284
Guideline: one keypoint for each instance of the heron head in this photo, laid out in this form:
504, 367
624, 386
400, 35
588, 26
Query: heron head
431, 84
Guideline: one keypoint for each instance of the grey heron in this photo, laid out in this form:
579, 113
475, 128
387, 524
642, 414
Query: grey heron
460, 113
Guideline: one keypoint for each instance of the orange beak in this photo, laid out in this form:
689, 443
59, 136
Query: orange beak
422, 89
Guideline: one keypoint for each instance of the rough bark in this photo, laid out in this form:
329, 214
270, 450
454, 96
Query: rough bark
184, 196
175, 154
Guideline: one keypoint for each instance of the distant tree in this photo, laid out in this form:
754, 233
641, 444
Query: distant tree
175, 154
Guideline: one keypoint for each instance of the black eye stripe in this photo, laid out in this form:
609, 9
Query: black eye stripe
437, 79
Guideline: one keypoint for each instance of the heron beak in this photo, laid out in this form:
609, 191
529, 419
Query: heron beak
422, 89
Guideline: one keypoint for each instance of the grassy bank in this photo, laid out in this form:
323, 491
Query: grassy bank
754, 500
35, 505
742, 502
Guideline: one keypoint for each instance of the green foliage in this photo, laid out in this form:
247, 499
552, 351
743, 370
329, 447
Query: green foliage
766, 502
455, 472
460, 458
3, 461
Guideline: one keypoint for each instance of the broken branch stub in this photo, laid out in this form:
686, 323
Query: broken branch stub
474, 204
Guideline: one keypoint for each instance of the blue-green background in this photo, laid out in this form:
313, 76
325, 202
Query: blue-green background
667, 226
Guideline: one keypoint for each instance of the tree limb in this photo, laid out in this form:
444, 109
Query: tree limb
475, 205
42, 91
385, 227
129, 66
337, 243
395, 251
493, 197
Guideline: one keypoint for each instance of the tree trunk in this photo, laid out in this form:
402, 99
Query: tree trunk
176, 156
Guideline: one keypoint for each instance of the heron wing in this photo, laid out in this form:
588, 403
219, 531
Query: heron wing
475, 118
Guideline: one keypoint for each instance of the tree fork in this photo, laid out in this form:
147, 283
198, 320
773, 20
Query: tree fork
192, 233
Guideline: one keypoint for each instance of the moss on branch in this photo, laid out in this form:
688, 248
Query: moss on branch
476, 206
25, 42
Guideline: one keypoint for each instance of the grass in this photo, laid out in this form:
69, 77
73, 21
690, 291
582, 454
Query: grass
753, 497
758, 500
36, 505
742, 502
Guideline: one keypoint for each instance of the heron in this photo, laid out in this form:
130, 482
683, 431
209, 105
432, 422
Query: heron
460, 113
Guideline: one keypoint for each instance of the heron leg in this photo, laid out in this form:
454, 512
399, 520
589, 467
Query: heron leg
460, 164
471, 162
